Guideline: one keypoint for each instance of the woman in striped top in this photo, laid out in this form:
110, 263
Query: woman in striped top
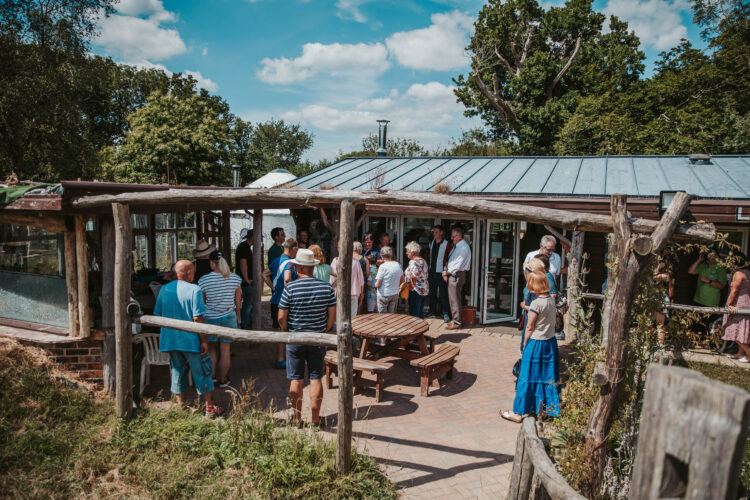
223, 293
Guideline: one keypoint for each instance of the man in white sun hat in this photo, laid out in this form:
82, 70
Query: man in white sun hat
306, 305
201, 253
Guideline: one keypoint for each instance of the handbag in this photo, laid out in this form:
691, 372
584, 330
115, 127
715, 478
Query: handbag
403, 290
517, 368
522, 321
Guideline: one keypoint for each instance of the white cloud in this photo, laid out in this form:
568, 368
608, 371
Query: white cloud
203, 82
334, 59
656, 22
349, 9
154, 9
438, 47
204, 51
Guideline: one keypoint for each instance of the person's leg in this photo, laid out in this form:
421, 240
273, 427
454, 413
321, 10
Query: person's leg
354, 305
213, 352
316, 399
295, 396
316, 369
280, 348
392, 303
247, 306
295, 373
224, 360
419, 299
201, 368
444, 300
454, 292
178, 370
433, 294
382, 304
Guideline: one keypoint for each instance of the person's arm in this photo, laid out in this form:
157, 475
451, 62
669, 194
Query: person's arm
530, 326
243, 272
283, 315
737, 278
378, 283
331, 318
203, 339
719, 285
267, 278
693, 269
287, 276
238, 305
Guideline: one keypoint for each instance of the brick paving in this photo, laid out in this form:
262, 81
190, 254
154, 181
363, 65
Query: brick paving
451, 444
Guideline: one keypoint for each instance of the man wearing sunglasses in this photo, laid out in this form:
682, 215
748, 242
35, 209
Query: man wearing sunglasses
547, 247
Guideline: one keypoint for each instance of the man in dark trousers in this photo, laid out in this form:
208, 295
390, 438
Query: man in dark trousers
243, 258
440, 249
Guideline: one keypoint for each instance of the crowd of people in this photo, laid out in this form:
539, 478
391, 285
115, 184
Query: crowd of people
303, 299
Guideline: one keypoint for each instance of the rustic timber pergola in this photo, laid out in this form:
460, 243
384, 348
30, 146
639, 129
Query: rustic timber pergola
661, 231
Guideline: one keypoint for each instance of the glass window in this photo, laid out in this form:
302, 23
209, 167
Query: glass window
165, 221
31, 250
185, 245
379, 226
419, 230
140, 249
139, 221
165, 250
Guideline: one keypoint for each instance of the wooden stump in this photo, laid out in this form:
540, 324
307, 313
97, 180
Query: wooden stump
123, 335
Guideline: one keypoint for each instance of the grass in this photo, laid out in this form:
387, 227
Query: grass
57, 441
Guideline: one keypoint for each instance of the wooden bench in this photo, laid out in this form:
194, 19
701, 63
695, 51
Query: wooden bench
435, 365
359, 365
430, 338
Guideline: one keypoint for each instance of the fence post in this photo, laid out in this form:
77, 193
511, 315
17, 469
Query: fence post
257, 316
574, 284
344, 334
107, 229
123, 336
82, 267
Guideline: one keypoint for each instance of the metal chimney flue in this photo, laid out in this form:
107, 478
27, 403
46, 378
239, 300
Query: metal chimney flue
382, 137
235, 175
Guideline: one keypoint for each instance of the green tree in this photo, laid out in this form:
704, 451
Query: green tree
179, 140
400, 147
264, 147
529, 66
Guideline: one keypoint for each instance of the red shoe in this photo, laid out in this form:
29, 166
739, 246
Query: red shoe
214, 411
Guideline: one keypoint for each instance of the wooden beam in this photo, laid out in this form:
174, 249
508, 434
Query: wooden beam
151, 236
257, 316
82, 266
575, 283
344, 334
109, 358
71, 282
236, 335
123, 335
53, 223
467, 204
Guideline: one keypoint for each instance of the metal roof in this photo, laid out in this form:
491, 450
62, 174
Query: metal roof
585, 176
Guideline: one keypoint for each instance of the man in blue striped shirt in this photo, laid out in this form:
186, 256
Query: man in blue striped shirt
306, 305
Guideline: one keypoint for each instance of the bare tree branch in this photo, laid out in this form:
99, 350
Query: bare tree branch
565, 68
505, 62
361, 218
501, 105
526, 47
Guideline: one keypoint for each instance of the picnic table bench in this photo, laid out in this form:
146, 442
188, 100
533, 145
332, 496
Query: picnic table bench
360, 365
396, 331
435, 365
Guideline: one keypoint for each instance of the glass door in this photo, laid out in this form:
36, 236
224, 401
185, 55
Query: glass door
501, 250
470, 227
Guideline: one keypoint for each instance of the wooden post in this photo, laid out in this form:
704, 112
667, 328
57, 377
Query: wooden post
107, 231
630, 269
123, 340
344, 334
71, 282
226, 236
151, 236
82, 267
692, 434
575, 277
611, 286
257, 316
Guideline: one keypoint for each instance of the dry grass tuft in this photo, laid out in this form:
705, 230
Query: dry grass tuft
442, 188
326, 186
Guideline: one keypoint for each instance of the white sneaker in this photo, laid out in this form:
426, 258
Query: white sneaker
744, 360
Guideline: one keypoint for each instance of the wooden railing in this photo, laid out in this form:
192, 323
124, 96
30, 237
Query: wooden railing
534, 475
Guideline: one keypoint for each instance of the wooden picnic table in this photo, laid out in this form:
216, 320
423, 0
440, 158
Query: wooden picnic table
396, 329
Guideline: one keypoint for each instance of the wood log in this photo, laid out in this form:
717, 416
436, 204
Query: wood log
682, 307
52, 223
612, 257
575, 281
344, 338
257, 316
71, 282
690, 426
82, 268
561, 238
236, 335
466, 204
642, 245
123, 334
109, 358
631, 268
600, 374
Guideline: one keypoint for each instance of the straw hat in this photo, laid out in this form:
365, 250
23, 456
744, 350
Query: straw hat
202, 249
305, 257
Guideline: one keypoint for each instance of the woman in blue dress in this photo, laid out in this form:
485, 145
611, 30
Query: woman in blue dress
538, 386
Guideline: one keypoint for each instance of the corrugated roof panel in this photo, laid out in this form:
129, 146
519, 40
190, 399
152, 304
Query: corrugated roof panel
467, 168
371, 179
422, 168
649, 176
440, 174
717, 182
738, 169
506, 181
355, 170
681, 175
563, 177
591, 177
313, 179
620, 176
536, 176
479, 180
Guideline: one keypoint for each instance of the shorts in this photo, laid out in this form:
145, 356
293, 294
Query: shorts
297, 356
228, 321
372, 303
275, 315
200, 366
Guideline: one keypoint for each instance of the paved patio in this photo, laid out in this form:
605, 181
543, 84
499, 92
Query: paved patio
451, 444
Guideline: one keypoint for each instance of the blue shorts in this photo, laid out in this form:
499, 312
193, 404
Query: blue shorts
229, 321
200, 367
299, 355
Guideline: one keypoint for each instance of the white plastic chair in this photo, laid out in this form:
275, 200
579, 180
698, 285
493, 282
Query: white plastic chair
155, 286
151, 356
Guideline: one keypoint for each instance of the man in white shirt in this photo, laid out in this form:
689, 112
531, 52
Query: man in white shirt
547, 247
440, 249
388, 280
459, 262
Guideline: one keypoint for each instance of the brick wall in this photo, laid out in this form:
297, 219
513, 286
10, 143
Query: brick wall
83, 357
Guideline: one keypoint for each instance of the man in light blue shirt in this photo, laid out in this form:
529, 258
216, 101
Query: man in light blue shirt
459, 263
181, 299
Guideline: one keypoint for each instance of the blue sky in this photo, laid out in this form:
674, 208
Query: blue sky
335, 66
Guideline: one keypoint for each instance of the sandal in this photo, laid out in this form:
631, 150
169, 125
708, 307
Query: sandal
214, 411
509, 415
